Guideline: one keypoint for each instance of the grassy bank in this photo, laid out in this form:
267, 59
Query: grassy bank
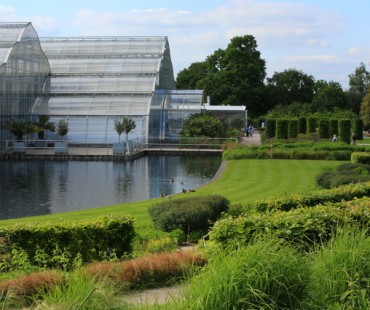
241, 181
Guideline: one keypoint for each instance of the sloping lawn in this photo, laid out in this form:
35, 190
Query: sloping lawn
241, 181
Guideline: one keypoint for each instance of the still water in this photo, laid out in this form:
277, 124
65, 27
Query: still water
29, 188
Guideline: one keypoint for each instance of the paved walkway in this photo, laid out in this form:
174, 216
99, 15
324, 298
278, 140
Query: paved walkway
255, 139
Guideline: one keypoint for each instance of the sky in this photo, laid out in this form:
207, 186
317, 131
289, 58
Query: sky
327, 39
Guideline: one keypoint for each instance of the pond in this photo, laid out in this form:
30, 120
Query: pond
29, 188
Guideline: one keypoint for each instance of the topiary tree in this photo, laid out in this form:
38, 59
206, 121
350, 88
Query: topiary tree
302, 125
333, 127
293, 129
311, 125
192, 214
358, 128
344, 127
281, 129
270, 128
324, 129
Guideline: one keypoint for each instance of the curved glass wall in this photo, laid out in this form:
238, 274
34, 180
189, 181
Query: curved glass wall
24, 71
96, 80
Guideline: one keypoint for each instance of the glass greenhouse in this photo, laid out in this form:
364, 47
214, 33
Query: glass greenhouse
90, 82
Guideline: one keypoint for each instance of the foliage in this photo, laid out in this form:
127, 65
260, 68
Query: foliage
270, 128
19, 127
311, 124
344, 130
62, 127
189, 78
263, 275
292, 128
340, 272
60, 245
188, 214
360, 157
203, 125
235, 75
310, 199
281, 128
43, 125
324, 129
359, 83
333, 127
358, 128
365, 110
344, 174
328, 95
302, 125
148, 271
124, 126
290, 86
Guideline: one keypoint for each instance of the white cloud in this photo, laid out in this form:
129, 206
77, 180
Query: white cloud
46, 25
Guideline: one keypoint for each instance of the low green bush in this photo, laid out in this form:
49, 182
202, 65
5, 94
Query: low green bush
302, 227
360, 157
190, 214
310, 199
62, 244
344, 174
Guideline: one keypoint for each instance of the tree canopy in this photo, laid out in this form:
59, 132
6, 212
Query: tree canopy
234, 76
359, 82
328, 95
365, 110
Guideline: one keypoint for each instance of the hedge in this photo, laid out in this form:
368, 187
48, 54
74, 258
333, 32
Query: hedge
294, 201
360, 157
311, 125
88, 240
302, 227
324, 129
282, 129
358, 128
333, 127
344, 128
190, 214
302, 125
293, 129
270, 128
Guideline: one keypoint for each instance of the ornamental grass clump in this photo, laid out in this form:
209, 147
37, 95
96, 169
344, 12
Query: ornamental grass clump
263, 275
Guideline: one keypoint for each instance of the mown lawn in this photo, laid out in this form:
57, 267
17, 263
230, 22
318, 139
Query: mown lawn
241, 181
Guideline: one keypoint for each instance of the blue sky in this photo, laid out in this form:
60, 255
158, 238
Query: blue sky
327, 39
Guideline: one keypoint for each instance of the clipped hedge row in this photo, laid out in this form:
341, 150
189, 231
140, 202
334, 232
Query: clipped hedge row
302, 227
294, 201
88, 240
190, 214
360, 157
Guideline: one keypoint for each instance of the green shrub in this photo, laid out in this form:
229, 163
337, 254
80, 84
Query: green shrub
344, 127
360, 157
292, 129
189, 214
310, 199
65, 242
311, 125
324, 129
270, 128
358, 128
344, 174
340, 272
333, 127
264, 275
302, 227
302, 125
281, 129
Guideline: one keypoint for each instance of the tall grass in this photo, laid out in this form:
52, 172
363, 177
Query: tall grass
81, 292
340, 272
264, 275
